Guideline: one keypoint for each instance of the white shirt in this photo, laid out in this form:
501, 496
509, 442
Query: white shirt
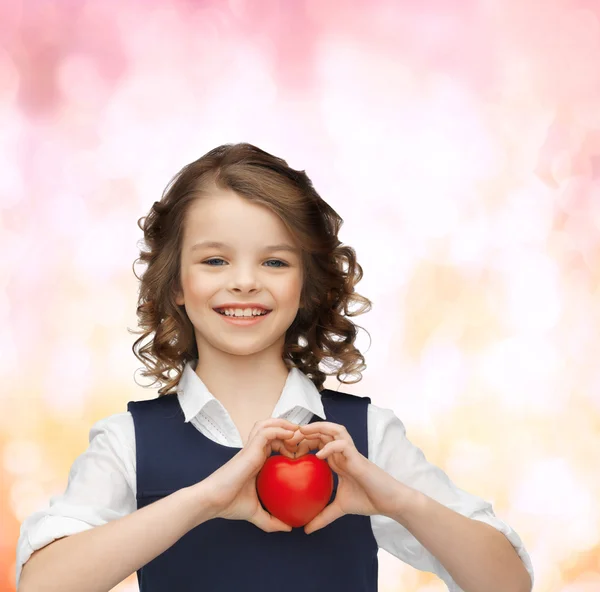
102, 480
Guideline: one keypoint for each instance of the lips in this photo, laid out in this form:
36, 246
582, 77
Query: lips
241, 306
222, 312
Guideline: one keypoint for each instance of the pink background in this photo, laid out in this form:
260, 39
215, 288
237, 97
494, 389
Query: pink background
460, 141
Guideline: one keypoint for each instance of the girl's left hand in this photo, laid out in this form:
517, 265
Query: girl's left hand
363, 487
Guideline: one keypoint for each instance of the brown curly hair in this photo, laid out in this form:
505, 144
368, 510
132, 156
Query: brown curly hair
320, 329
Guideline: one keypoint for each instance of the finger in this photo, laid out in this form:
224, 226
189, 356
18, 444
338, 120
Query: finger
278, 421
300, 444
318, 437
272, 422
313, 444
324, 427
268, 435
281, 447
331, 513
298, 436
291, 444
329, 449
269, 523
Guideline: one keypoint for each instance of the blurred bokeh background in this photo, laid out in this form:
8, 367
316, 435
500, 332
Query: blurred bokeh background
460, 142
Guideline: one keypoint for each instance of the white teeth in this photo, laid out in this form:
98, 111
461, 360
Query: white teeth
239, 312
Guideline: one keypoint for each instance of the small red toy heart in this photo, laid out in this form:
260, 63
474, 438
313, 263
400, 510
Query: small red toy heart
295, 490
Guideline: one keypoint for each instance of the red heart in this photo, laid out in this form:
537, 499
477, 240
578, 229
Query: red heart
295, 490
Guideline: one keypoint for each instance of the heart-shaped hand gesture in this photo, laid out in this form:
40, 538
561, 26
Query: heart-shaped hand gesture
294, 490
363, 487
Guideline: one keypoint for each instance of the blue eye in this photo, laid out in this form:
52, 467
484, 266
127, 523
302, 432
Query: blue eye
207, 262
283, 263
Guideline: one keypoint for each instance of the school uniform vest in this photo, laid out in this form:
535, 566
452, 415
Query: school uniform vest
223, 555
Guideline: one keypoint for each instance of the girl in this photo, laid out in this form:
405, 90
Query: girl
247, 290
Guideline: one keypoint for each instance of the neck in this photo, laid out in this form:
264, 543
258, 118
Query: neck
243, 384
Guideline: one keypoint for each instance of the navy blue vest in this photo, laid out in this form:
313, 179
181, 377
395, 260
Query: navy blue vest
231, 555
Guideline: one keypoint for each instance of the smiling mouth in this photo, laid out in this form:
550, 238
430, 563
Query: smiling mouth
252, 316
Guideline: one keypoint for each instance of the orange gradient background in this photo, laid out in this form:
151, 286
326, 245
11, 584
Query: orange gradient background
460, 142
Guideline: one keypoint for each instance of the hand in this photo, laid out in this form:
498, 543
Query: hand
363, 487
232, 487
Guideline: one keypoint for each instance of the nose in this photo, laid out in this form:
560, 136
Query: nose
244, 279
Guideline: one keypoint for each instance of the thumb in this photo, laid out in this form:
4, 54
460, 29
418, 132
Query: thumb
281, 447
269, 523
327, 516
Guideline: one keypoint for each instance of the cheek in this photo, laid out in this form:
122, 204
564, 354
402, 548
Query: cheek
198, 289
291, 290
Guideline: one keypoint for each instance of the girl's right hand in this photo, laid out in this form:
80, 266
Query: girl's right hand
232, 487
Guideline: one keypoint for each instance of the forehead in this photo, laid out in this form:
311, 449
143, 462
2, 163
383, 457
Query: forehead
225, 216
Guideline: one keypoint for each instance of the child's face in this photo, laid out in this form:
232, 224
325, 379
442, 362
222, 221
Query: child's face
241, 271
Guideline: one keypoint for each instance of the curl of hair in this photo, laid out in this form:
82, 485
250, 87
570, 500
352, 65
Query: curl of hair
320, 340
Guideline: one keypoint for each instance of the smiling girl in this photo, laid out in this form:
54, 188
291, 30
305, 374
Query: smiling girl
246, 298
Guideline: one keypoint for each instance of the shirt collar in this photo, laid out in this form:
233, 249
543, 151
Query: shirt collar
299, 390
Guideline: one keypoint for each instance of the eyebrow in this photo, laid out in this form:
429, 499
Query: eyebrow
220, 245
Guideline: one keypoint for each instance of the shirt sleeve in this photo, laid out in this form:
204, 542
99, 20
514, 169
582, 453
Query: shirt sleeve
101, 487
390, 449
